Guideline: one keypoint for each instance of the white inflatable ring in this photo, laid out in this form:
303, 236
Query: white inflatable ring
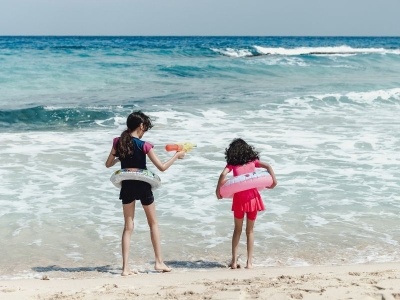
255, 180
136, 174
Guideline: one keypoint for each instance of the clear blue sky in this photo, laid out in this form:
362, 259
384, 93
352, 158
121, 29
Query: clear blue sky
201, 17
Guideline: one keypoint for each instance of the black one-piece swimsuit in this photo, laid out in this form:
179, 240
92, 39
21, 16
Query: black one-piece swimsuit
132, 190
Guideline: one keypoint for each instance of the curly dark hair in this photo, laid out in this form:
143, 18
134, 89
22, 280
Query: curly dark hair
240, 153
125, 146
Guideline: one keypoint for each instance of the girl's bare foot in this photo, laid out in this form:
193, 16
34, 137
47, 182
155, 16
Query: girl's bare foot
162, 268
249, 265
127, 273
234, 265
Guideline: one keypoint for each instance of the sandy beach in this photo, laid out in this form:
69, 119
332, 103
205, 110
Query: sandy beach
364, 281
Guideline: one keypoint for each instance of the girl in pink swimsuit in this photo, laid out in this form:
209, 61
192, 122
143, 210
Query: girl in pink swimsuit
242, 159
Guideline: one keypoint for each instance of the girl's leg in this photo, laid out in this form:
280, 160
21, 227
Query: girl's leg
150, 211
237, 231
251, 219
129, 213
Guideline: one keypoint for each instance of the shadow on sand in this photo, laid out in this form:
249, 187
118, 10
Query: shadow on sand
174, 264
54, 268
198, 264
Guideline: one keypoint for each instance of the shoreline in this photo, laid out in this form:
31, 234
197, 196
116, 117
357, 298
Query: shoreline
362, 281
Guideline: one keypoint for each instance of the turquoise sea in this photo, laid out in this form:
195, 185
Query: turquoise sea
323, 111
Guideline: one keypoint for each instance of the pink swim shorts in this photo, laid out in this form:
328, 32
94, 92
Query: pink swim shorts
251, 215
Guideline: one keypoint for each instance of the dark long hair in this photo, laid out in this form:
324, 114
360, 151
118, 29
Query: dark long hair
240, 153
125, 146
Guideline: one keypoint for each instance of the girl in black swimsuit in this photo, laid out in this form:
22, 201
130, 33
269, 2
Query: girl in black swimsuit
131, 151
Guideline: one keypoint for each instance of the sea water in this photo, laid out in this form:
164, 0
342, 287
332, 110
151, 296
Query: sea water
323, 111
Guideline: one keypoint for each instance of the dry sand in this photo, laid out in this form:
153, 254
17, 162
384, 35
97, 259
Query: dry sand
367, 281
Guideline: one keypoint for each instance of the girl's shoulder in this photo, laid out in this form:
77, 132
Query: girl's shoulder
256, 163
143, 145
115, 142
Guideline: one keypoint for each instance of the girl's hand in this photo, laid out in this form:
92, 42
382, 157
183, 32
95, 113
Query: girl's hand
180, 154
221, 182
273, 185
271, 172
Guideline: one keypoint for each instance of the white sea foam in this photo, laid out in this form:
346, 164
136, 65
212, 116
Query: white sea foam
279, 61
337, 169
340, 50
369, 97
233, 52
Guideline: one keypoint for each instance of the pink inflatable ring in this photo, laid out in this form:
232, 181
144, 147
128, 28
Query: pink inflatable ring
255, 180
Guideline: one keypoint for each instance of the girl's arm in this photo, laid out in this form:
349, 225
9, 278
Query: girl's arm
164, 166
221, 182
270, 171
111, 160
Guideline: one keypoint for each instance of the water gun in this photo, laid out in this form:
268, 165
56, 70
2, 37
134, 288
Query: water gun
187, 146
